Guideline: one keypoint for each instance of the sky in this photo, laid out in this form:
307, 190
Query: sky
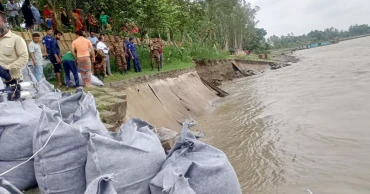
280, 17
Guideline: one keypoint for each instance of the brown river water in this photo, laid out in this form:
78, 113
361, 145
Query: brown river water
300, 129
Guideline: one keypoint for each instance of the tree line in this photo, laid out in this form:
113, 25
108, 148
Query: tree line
222, 24
329, 34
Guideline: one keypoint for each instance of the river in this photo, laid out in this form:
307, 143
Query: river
300, 129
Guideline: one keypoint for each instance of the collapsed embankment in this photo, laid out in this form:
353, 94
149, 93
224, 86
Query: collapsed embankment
168, 102
168, 98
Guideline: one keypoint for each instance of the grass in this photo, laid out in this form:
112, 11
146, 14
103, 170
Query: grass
148, 71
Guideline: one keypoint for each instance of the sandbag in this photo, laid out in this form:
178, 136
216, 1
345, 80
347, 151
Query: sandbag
40, 88
77, 109
22, 177
18, 122
101, 185
59, 166
94, 80
8, 188
134, 155
195, 167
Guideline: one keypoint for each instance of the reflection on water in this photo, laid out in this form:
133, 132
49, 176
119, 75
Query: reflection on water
304, 127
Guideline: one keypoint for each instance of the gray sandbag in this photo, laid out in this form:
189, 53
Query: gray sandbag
18, 122
195, 167
77, 109
134, 155
8, 188
101, 185
39, 88
59, 166
22, 177
94, 80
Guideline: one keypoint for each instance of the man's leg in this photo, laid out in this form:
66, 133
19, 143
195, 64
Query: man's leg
58, 70
13, 21
161, 59
39, 71
108, 65
73, 68
17, 20
67, 72
4, 73
128, 63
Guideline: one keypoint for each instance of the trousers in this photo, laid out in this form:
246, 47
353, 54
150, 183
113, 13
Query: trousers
70, 66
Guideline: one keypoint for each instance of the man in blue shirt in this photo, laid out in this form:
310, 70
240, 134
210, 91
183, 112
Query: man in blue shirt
46, 40
93, 39
54, 56
133, 54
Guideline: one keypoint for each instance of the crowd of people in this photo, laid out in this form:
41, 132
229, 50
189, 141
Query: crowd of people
90, 55
33, 18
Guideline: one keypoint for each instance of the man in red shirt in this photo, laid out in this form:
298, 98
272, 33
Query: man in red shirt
160, 51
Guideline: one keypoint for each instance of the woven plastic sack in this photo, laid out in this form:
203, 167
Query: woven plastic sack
94, 80
101, 185
18, 122
195, 167
77, 109
134, 155
8, 188
40, 88
60, 165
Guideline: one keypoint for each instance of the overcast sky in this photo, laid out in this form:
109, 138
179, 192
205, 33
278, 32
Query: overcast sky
280, 17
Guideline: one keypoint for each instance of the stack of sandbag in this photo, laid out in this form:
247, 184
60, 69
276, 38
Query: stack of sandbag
195, 167
17, 124
60, 166
134, 155
101, 185
8, 188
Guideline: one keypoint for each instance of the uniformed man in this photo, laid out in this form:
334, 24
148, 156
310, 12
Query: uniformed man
119, 53
154, 53
13, 54
99, 65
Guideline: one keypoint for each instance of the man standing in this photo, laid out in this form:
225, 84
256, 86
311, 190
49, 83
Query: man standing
133, 54
154, 53
119, 53
13, 8
13, 55
54, 56
28, 15
128, 58
102, 46
46, 40
36, 55
36, 16
93, 39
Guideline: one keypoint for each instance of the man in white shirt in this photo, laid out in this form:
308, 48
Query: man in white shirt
93, 39
13, 8
102, 46
36, 55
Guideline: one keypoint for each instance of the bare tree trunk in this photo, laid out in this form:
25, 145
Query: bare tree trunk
168, 35
241, 39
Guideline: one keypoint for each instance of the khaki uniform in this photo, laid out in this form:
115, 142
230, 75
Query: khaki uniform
154, 53
119, 53
99, 65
